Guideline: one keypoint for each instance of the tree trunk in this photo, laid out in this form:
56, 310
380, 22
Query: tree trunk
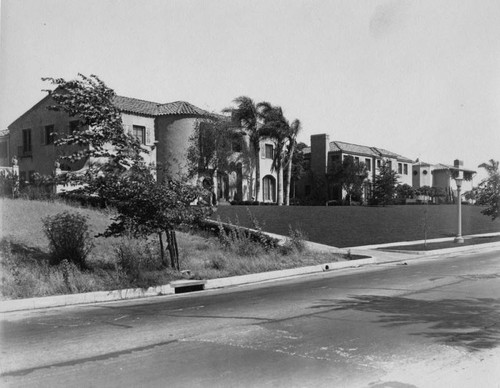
173, 248
279, 171
289, 175
257, 173
162, 250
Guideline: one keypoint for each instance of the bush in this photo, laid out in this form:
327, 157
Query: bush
9, 184
295, 241
69, 238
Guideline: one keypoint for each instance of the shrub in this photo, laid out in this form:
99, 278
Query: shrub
295, 241
9, 184
69, 238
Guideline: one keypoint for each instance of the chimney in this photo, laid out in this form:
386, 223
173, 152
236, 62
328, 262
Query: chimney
458, 163
319, 153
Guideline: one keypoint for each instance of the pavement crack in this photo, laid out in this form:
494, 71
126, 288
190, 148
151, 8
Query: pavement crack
102, 357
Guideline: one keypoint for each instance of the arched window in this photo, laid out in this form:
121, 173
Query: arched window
269, 189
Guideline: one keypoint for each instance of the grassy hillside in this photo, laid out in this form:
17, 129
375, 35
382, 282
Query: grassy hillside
124, 262
21, 223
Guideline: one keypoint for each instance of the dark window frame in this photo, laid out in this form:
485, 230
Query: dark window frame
142, 129
368, 164
74, 126
48, 134
269, 151
27, 142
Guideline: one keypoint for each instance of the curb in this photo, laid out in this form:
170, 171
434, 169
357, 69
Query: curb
139, 293
168, 289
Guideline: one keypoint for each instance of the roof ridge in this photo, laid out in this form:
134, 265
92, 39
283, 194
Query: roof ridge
139, 99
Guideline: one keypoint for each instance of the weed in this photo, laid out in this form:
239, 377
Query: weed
217, 261
295, 242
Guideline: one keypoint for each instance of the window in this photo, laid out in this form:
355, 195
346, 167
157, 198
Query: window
139, 132
405, 169
268, 188
368, 164
415, 172
26, 141
4, 149
269, 151
74, 126
356, 160
236, 146
48, 135
400, 168
389, 164
379, 163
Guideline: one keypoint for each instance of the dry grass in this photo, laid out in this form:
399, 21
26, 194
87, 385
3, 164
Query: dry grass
26, 273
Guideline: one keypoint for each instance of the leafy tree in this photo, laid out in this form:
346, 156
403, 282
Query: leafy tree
294, 130
146, 206
488, 191
120, 177
424, 190
246, 114
211, 148
276, 128
405, 191
437, 192
102, 134
349, 175
384, 185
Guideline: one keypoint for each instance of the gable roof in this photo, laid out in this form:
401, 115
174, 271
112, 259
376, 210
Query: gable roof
149, 108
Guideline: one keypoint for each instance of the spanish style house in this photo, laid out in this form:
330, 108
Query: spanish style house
164, 129
323, 153
441, 176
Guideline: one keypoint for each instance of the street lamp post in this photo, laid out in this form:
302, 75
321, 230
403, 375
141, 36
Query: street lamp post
459, 239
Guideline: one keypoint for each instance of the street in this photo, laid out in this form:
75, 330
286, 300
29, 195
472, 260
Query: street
431, 322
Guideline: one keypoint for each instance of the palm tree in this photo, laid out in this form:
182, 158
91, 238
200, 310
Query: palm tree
275, 127
491, 167
294, 130
246, 114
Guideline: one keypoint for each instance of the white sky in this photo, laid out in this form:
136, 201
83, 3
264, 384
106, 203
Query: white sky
420, 78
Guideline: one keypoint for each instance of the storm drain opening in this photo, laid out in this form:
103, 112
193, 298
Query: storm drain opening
183, 286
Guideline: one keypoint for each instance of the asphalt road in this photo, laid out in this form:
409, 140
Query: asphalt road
432, 322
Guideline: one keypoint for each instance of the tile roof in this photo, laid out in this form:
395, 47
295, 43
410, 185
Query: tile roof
340, 146
133, 105
351, 148
386, 153
442, 166
149, 108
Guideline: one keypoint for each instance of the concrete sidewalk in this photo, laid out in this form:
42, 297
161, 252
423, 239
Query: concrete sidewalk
375, 255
